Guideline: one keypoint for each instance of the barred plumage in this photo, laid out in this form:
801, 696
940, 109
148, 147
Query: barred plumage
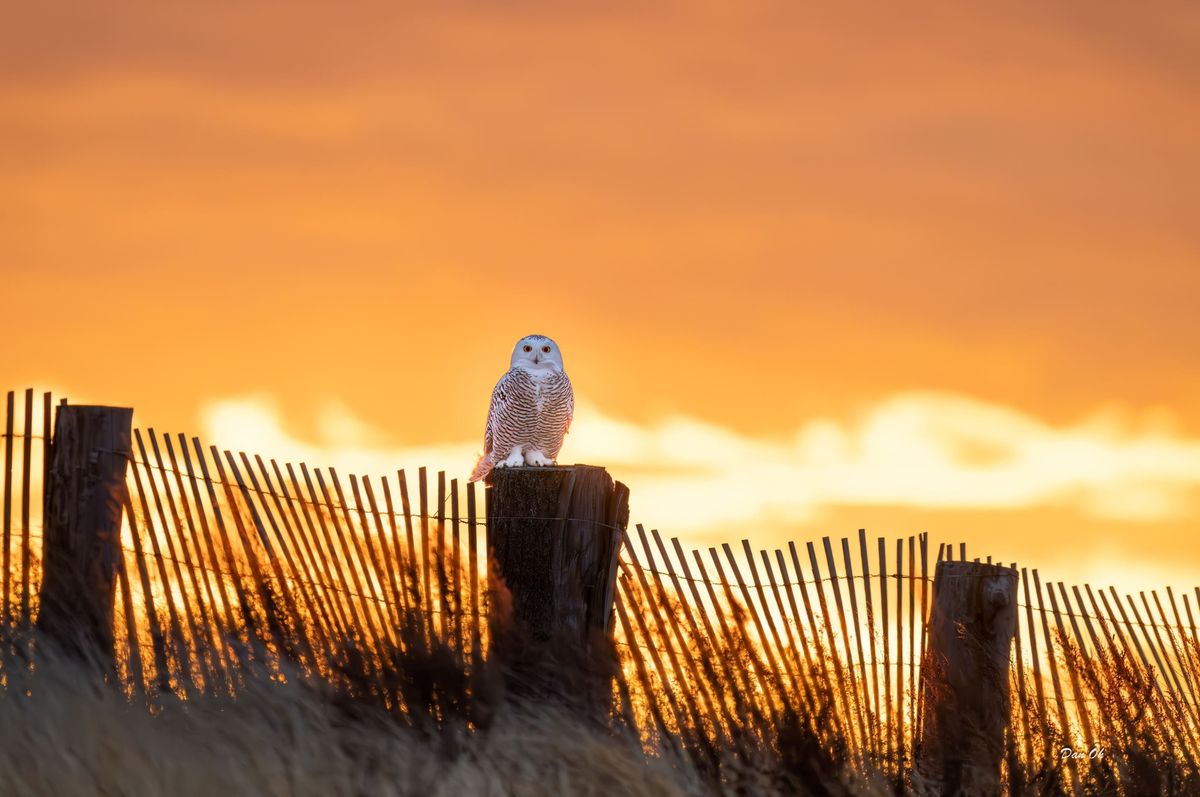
531, 409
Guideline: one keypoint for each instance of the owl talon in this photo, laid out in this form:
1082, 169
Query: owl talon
515, 460
537, 459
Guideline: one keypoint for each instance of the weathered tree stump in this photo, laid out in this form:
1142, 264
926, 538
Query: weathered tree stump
82, 535
554, 534
965, 678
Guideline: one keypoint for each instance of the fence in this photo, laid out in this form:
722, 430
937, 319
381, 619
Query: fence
234, 566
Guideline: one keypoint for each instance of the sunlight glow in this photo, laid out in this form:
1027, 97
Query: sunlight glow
921, 449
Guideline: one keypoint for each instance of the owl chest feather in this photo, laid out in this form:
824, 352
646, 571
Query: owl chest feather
536, 410
539, 396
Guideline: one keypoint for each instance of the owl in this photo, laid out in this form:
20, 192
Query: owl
531, 409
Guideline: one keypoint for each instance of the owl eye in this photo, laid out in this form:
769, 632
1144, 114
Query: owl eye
546, 349
528, 348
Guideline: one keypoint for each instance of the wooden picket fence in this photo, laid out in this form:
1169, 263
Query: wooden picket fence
235, 566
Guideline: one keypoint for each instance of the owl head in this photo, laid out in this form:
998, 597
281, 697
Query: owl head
536, 353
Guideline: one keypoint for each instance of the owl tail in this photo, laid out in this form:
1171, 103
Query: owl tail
483, 468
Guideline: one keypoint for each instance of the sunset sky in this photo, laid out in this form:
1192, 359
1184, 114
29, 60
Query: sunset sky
922, 267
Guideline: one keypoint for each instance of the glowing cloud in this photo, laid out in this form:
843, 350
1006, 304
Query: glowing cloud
921, 449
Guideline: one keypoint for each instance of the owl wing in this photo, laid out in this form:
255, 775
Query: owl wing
501, 400
570, 406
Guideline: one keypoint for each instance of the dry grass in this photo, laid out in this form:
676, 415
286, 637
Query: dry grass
426, 722
1132, 724
65, 732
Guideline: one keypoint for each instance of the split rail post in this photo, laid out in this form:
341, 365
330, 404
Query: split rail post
85, 493
966, 679
554, 535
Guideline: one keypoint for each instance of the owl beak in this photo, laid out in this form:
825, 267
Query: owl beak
537, 358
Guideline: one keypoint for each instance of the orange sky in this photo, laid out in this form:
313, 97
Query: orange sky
763, 221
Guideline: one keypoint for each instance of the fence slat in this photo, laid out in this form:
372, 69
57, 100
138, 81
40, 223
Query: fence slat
198, 627
1109, 646
663, 638
800, 674
660, 606
413, 558
276, 631
412, 552
211, 651
374, 636
643, 676
742, 638
133, 658
375, 575
774, 643
376, 578
1169, 717
473, 577
26, 487
743, 695
851, 676
305, 582
900, 746
255, 636
230, 632
456, 567
443, 589
887, 669
162, 670
774, 676
707, 651
1096, 661
912, 639
817, 661
1175, 650
427, 607
647, 643
1031, 630
316, 561
1178, 700
47, 447
925, 610
388, 561
862, 687
854, 737
6, 597
1052, 665
359, 644
401, 559
1188, 648
346, 600
356, 562
294, 633
175, 627
1074, 663
1018, 671
183, 649
876, 704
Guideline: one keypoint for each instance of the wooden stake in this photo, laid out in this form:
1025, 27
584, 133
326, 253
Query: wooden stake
970, 635
83, 529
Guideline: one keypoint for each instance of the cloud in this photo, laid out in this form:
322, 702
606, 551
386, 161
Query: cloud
929, 450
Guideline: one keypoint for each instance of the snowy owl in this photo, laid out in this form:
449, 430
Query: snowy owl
531, 409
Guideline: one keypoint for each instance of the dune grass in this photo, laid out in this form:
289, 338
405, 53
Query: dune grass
67, 730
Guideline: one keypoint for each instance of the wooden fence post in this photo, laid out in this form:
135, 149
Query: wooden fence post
554, 535
965, 677
82, 529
